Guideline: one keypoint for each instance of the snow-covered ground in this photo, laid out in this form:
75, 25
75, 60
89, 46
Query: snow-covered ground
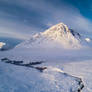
23, 79
67, 70
82, 69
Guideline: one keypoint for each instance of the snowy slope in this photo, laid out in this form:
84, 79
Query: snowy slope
53, 79
22, 79
59, 36
82, 69
65, 66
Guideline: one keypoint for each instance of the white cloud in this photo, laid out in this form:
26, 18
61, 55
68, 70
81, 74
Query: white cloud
15, 29
52, 15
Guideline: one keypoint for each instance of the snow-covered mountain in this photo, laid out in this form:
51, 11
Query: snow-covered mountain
7, 43
61, 70
2, 44
58, 35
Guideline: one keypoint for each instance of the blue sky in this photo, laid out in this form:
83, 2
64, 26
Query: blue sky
22, 18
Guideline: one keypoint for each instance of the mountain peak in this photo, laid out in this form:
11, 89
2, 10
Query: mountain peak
58, 28
58, 35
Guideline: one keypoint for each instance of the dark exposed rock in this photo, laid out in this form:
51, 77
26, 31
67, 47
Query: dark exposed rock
75, 33
16, 62
4, 59
20, 63
80, 84
41, 68
35, 63
79, 81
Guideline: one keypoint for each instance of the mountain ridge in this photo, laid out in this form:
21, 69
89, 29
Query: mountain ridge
56, 36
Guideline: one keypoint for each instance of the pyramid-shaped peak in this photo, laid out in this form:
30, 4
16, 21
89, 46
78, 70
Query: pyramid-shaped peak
58, 28
59, 25
58, 35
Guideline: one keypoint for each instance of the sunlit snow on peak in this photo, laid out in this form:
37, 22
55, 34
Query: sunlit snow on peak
58, 36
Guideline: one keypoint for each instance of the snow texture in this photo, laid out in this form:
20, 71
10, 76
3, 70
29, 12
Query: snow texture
58, 36
68, 63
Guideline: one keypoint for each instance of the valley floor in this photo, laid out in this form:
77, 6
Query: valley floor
59, 76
